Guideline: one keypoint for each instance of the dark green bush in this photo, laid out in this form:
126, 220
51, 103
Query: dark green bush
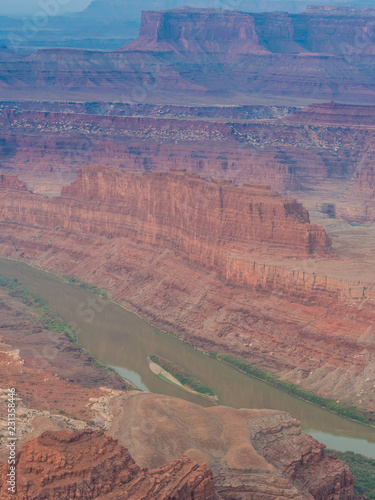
363, 469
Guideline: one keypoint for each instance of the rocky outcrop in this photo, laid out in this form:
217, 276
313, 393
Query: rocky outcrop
202, 220
198, 31
10, 181
87, 464
253, 454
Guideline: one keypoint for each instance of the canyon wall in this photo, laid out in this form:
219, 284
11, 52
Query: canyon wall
69, 142
334, 113
197, 31
181, 209
213, 262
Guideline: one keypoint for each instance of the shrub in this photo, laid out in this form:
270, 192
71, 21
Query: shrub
363, 469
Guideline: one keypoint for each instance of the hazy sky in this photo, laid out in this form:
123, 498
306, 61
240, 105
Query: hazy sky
27, 7
21, 8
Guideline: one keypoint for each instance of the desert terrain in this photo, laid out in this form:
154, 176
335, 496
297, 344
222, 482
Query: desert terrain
216, 176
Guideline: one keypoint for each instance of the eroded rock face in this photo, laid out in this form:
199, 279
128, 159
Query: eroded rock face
319, 30
202, 220
197, 31
334, 114
253, 454
11, 181
183, 211
87, 464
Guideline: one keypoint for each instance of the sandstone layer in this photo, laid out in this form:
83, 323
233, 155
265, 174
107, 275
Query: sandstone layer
202, 259
183, 210
87, 464
233, 34
198, 31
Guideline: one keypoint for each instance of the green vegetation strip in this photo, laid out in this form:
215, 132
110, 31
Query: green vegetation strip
86, 286
363, 469
49, 319
182, 376
295, 390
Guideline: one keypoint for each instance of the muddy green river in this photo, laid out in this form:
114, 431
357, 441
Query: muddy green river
122, 340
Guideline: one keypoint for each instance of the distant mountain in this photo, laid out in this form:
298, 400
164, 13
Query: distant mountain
200, 54
108, 24
229, 35
130, 10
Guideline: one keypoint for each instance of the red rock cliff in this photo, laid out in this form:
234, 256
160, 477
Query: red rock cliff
186, 212
92, 465
253, 454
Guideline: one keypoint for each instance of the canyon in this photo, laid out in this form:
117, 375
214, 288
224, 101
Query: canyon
83, 445
157, 240
216, 176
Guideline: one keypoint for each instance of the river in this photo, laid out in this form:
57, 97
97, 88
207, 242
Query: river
122, 340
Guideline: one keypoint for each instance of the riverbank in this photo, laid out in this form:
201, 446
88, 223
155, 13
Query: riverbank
342, 409
148, 418
175, 375
52, 322
349, 412
337, 408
